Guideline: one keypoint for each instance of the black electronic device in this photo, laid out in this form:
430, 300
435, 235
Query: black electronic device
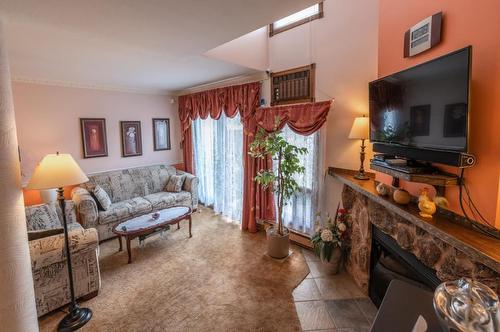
422, 113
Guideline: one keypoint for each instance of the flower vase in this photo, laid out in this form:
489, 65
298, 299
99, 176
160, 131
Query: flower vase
333, 266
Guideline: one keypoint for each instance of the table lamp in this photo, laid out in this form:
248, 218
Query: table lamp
58, 171
360, 130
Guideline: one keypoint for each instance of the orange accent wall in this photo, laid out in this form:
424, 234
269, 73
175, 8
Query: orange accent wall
465, 23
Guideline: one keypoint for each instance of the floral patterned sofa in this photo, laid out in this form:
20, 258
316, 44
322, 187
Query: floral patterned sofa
133, 192
48, 256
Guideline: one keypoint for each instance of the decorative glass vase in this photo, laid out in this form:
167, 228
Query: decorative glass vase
467, 305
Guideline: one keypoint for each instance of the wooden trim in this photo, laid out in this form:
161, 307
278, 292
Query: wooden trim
319, 15
312, 86
339, 171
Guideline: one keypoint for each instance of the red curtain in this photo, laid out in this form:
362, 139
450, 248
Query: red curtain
303, 119
243, 98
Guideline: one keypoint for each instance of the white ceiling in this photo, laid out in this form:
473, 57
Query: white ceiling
144, 45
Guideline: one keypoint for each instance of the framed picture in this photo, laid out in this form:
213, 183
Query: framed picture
94, 139
161, 134
131, 138
420, 120
455, 120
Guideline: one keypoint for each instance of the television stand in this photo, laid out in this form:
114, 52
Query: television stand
414, 173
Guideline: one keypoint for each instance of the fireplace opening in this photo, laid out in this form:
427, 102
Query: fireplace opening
389, 261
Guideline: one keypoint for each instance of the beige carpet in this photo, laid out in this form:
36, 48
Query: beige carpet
218, 280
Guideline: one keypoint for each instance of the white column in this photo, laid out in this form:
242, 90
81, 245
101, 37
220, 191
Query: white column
17, 296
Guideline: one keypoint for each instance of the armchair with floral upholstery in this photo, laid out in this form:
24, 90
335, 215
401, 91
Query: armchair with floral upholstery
48, 256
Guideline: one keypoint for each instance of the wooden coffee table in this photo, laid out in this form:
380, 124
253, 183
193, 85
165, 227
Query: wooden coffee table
145, 225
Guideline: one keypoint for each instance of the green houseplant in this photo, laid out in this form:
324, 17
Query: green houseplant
281, 180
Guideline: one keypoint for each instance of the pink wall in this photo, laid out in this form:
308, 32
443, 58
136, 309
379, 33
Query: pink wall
47, 120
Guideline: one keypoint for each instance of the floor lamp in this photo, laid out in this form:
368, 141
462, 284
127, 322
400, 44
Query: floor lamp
59, 171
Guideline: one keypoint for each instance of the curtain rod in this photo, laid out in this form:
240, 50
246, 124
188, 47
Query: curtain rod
257, 77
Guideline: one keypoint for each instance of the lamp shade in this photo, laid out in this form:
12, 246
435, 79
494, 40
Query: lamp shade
56, 171
360, 128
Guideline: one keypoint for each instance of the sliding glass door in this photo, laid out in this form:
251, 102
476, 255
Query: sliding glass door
218, 162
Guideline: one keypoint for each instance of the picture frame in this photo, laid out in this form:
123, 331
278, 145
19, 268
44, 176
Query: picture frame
94, 139
455, 120
161, 134
131, 138
420, 120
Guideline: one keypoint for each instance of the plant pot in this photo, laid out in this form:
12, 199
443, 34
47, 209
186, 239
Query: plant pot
332, 266
278, 245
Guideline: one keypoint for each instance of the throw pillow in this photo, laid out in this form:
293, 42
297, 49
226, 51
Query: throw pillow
102, 197
175, 183
42, 217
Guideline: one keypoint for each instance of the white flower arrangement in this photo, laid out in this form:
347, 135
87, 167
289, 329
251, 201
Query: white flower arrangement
327, 235
331, 235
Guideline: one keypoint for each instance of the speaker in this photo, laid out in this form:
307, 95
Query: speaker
467, 160
452, 158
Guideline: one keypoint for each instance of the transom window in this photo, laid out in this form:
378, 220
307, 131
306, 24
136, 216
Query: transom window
306, 15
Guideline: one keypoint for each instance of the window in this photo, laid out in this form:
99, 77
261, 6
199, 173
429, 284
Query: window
300, 211
306, 15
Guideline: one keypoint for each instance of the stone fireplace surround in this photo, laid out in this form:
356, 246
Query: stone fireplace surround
448, 256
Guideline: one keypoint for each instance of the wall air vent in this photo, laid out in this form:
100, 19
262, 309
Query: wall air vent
293, 86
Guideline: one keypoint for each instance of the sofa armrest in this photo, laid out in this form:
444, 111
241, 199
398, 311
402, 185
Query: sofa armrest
51, 249
39, 234
86, 207
191, 185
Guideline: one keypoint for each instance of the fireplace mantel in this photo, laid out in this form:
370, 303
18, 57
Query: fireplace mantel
457, 242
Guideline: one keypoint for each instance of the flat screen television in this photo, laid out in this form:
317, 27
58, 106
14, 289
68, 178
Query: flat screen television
423, 108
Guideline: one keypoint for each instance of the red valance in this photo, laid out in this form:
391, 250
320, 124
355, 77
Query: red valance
304, 119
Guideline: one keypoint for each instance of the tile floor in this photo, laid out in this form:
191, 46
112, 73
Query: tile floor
331, 302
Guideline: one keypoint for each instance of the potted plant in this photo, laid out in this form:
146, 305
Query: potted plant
330, 240
281, 180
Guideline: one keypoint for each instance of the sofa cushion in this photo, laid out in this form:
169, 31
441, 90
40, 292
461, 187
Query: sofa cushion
42, 217
125, 210
175, 183
161, 200
102, 197
183, 198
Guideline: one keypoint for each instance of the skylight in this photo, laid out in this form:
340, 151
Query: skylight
298, 18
